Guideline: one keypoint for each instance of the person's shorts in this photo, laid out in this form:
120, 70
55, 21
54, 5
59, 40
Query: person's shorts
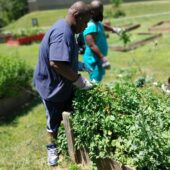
54, 113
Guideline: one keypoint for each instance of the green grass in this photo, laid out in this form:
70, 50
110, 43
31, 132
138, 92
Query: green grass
45, 19
29, 53
23, 138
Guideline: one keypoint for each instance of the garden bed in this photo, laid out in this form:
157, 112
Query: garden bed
5, 37
25, 40
81, 156
117, 122
160, 26
138, 42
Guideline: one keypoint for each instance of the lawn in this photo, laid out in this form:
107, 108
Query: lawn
23, 137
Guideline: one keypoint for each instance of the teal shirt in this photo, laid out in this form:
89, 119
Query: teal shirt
100, 40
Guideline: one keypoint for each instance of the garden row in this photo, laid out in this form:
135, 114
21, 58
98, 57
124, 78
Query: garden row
122, 122
23, 36
15, 80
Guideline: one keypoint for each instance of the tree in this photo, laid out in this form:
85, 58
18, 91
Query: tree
12, 9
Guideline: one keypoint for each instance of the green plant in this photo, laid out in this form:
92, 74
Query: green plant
73, 167
125, 37
15, 76
124, 123
140, 81
118, 13
26, 32
146, 145
13, 9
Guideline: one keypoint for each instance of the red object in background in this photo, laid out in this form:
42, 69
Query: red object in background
12, 42
30, 39
26, 39
8, 37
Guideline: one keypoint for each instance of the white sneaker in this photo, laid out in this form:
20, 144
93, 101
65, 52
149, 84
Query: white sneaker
52, 154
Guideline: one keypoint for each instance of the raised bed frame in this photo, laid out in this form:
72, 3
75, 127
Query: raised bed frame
160, 27
137, 44
81, 156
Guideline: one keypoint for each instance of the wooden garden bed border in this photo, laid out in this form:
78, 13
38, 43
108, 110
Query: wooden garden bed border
82, 156
137, 44
159, 26
130, 27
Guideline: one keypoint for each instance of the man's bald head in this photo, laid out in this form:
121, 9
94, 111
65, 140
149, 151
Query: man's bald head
78, 16
80, 8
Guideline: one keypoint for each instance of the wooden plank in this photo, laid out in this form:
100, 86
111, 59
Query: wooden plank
83, 157
126, 167
69, 136
108, 164
132, 27
137, 44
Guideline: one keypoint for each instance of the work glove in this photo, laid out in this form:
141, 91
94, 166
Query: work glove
105, 63
83, 67
165, 89
117, 30
82, 83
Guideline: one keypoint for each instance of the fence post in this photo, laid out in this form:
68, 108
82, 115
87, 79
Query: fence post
69, 136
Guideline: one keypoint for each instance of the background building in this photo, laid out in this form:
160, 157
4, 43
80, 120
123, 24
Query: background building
35, 5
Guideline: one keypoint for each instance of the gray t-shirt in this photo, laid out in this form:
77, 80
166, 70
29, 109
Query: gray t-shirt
58, 44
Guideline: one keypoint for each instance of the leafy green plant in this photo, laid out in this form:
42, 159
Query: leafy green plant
140, 81
15, 75
125, 37
26, 32
146, 145
123, 122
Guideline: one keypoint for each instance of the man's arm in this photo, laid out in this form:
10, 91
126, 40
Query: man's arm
64, 69
107, 27
116, 30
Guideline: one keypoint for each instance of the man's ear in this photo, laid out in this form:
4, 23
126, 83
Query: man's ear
76, 14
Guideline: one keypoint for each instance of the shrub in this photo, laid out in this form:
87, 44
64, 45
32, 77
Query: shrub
15, 75
123, 122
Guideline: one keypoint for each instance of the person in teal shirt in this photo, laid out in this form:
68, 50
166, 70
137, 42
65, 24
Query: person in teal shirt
96, 47
92, 57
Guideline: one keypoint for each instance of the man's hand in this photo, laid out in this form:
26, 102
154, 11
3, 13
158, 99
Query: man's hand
83, 67
82, 83
105, 63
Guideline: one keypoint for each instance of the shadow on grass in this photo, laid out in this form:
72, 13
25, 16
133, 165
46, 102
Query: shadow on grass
23, 110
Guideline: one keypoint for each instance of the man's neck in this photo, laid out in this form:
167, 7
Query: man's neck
70, 22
